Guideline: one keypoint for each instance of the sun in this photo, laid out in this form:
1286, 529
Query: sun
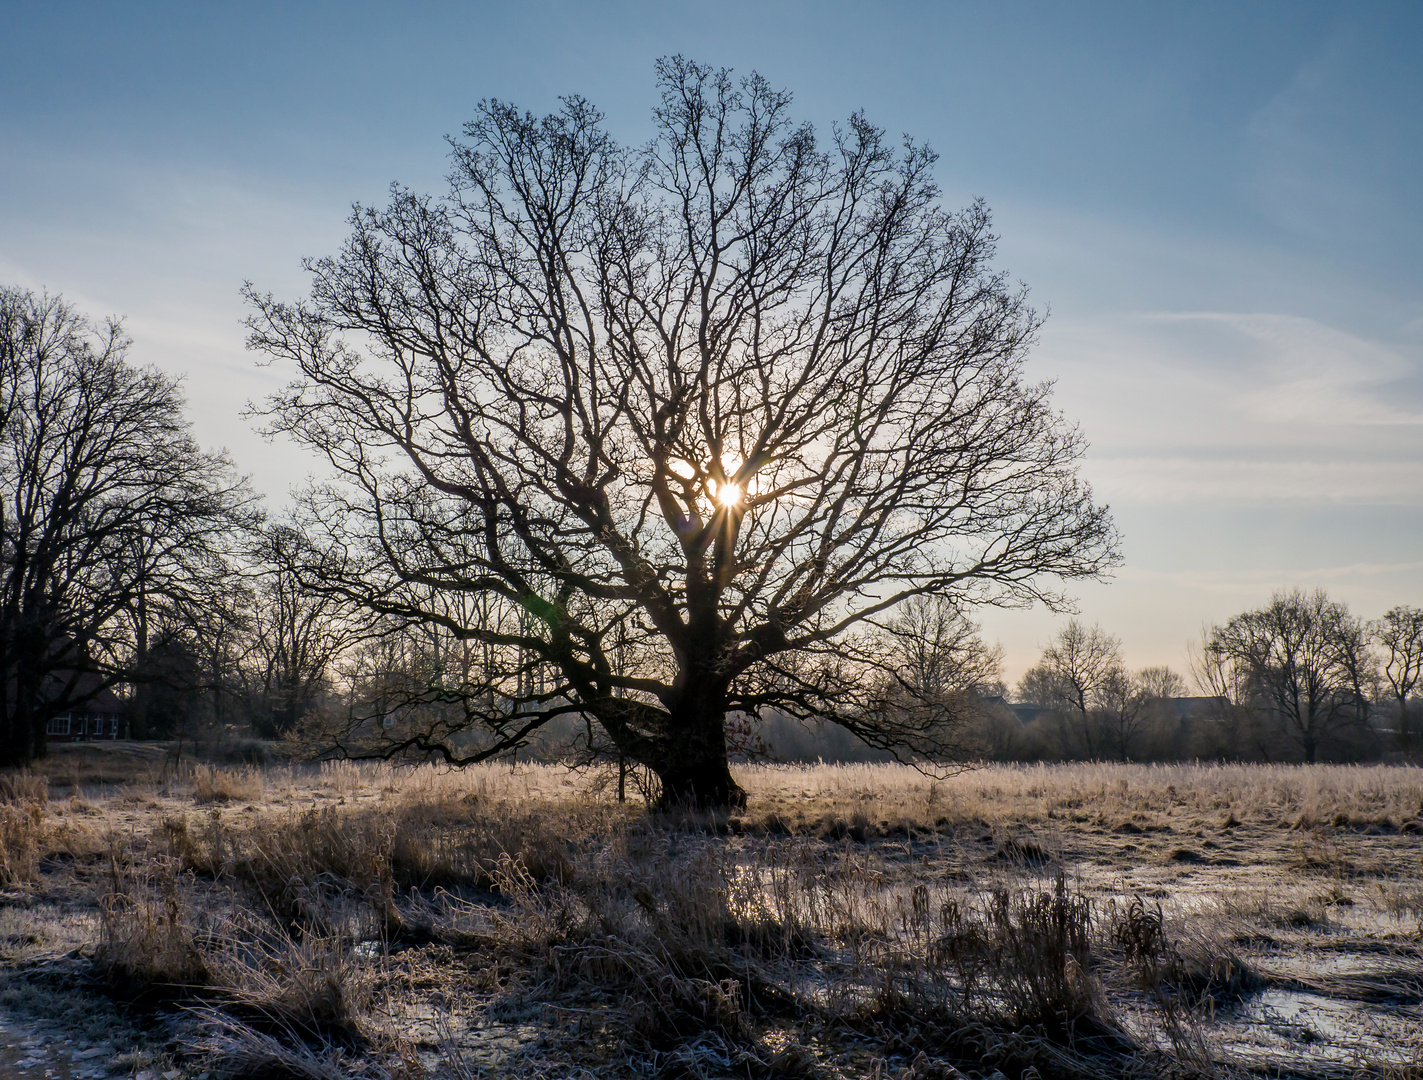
728, 494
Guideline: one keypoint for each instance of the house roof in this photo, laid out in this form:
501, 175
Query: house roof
90, 686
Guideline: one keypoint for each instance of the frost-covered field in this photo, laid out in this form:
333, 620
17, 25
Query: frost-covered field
1076, 920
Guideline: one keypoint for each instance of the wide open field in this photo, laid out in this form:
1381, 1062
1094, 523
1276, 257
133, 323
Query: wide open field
859, 921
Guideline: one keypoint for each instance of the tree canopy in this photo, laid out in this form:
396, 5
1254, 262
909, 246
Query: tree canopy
671, 431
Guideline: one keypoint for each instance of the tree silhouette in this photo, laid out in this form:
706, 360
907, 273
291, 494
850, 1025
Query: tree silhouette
1080, 675
1399, 637
728, 398
1302, 659
113, 521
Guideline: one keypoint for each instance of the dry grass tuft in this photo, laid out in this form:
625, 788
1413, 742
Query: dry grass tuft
23, 787
23, 836
310, 987
287, 1002
303, 863
215, 785
1199, 966
1022, 851
235, 1050
146, 938
1021, 957
677, 939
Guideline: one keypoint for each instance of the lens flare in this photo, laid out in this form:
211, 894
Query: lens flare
728, 494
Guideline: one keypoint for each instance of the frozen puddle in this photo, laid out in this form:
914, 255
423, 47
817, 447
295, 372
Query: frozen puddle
29, 1053
1298, 1027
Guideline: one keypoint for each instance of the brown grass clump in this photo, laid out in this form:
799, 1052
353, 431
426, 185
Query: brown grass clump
23, 787
1196, 965
215, 785
677, 938
1022, 955
22, 839
1007, 982
290, 1001
1022, 851
298, 859
1322, 855
235, 1050
311, 987
146, 936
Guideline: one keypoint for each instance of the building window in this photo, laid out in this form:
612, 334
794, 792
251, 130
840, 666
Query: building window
58, 725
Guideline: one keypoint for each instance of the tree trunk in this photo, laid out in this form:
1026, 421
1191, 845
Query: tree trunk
39, 735
14, 748
694, 771
27, 720
700, 785
25, 738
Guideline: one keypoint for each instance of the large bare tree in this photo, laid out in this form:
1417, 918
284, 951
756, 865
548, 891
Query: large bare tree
726, 398
113, 521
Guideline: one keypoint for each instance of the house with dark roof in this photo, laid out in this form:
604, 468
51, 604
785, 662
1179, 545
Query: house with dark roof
101, 716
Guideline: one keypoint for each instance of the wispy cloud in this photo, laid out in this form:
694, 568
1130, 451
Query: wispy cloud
1303, 371
1231, 580
1212, 405
1197, 479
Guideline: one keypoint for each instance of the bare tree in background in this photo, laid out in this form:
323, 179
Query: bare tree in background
1359, 666
1160, 683
941, 670
1122, 713
1074, 671
112, 518
1399, 636
1239, 727
940, 650
296, 635
1300, 659
728, 398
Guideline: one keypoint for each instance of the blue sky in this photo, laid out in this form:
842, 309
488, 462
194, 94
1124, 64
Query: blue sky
1220, 204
